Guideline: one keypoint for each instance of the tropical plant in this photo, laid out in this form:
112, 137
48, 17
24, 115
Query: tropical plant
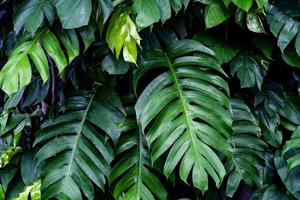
149, 99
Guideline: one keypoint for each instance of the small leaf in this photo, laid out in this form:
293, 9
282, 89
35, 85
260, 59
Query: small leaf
215, 15
254, 23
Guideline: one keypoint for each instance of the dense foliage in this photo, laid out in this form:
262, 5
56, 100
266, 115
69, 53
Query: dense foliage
149, 99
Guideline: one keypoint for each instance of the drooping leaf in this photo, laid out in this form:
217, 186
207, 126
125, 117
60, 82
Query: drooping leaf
190, 111
16, 73
122, 34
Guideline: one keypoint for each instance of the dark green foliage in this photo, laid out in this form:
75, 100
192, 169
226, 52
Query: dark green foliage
149, 99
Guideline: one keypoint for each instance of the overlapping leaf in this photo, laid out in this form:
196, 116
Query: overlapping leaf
293, 144
75, 151
132, 175
286, 29
30, 14
249, 71
248, 148
150, 11
183, 112
32, 192
290, 178
122, 34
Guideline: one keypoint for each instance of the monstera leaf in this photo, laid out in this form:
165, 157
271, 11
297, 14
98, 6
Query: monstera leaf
132, 175
16, 73
249, 70
248, 148
75, 151
183, 112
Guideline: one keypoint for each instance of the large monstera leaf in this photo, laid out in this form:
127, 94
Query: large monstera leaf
183, 112
132, 175
16, 73
248, 148
75, 151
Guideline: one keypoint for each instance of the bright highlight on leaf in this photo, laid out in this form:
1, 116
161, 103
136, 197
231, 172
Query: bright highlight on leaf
32, 192
122, 35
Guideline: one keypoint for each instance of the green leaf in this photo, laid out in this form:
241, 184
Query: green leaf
254, 23
165, 9
287, 34
77, 154
293, 144
170, 105
34, 191
269, 125
290, 178
16, 73
274, 193
73, 13
224, 52
286, 29
147, 12
113, 66
29, 171
122, 33
14, 100
291, 58
243, 4
106, 7
2, 193
248, 70
8, 154
133, 164
247, 148
215, 15
30, 15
